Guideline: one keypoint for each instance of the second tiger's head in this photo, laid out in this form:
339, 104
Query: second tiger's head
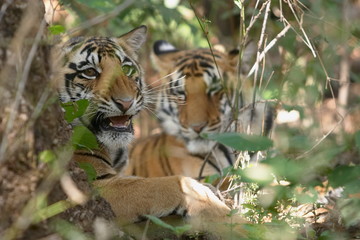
194, 100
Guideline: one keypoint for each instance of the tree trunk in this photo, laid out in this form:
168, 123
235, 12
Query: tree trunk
31, 121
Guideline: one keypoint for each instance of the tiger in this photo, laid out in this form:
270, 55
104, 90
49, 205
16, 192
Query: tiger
193, 102
105, 71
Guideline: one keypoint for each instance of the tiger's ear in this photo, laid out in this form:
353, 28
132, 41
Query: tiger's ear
233, 54
163, 55
248, 57
162, 47
135, 38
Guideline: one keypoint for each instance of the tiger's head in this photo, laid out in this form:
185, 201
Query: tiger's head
193, 101
104, 71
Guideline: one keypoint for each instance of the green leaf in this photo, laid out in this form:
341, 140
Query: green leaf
344, 174
56, 29
159, 222
241, 142
212, 178
67, 230
179, 230
308, 197
357, 140
47, 156
291, 170
248, 206
83, 138
349, 210
52, 210
89, 170
74, 110
232, 212
347, 177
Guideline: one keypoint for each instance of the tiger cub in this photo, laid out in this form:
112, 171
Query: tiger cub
105, 71
194, 101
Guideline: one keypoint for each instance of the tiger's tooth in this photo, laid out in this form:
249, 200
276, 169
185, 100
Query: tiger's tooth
111, 124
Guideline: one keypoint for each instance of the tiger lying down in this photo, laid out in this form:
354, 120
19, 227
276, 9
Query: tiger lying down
105, 71
192, 102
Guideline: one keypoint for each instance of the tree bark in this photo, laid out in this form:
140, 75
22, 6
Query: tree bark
31, 121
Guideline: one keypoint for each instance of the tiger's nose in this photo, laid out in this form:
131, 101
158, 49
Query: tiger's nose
198, 127
124, 103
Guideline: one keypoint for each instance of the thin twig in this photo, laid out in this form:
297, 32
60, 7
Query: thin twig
307, 41
207, 39
21, 87
267, 48
321, 140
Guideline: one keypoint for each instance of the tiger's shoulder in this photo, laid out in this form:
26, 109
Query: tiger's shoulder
162, 155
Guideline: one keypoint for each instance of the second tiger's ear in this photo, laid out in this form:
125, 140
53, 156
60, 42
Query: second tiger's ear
161, 47
248, 57
233, 56
135, 38
164, 55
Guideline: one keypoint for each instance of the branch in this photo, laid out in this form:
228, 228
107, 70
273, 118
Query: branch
267, 48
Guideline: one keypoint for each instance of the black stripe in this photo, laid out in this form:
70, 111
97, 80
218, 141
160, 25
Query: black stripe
69, 77
225, 151
108, 175
94, 155
83, 63
202, 58
268, 119
209, 53
205, 65
164, 109
181, 61
72, 66
214, 166
117, 162
118, 156
87, 47
208, 72
209, 162
164, 158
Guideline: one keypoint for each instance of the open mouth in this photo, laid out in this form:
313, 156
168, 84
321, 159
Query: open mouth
117, 123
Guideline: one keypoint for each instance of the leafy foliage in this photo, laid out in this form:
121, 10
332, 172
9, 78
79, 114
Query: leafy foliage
74, 110
241, 142
83, 138
47, 156
89, 170
56, 29
178, 230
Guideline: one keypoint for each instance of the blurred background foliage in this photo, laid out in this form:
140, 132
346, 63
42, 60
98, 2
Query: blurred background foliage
311, 74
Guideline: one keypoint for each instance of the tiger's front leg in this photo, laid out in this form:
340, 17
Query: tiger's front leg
132, 198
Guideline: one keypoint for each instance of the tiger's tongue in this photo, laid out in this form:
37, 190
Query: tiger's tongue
119, 121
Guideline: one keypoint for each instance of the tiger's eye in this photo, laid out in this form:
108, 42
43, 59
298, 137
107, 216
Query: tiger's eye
128, 70
90, 72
